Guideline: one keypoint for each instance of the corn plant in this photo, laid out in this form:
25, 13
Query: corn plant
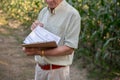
100, 33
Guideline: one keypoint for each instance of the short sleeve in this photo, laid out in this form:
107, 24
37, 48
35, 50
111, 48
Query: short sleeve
73, 31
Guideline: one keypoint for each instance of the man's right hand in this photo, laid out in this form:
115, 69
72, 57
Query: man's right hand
35, 24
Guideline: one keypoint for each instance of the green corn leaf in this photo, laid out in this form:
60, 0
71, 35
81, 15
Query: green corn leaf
107, 42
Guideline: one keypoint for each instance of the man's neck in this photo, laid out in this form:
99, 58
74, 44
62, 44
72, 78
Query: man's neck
52, 10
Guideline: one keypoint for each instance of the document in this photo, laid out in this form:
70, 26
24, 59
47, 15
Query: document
41, 35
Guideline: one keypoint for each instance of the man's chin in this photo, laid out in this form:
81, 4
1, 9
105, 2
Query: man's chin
51, 6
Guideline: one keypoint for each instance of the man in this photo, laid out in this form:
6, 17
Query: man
63, 20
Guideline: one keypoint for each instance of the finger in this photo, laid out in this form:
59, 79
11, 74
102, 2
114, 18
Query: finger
31, 49
30, 53
33, 26
28, 50
23, 48
40, 24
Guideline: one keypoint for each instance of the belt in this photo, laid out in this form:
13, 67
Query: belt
50, 66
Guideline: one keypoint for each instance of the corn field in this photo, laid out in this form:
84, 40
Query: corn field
99, 42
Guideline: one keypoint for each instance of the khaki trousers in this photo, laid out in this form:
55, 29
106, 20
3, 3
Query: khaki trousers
55, 74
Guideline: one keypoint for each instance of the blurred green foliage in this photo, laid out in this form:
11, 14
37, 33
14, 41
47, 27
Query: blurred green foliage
100, 34
24, 10
100, 30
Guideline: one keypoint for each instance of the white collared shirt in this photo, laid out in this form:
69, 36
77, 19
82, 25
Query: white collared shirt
65, 23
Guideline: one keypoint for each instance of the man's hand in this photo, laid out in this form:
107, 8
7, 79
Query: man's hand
35, 24
31, 51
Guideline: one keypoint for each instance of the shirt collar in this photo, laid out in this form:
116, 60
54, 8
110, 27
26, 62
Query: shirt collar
57, 8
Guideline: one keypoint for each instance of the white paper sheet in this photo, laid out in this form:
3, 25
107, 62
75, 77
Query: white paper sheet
40, 34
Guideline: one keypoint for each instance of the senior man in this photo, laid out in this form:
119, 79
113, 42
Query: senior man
63, 20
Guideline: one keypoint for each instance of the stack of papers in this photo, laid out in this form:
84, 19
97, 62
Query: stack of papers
41, 37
